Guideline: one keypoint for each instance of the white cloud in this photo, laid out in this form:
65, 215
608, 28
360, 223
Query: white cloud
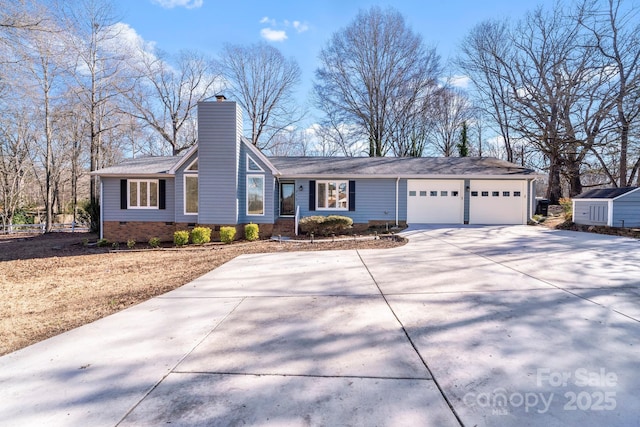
170, 4
460, 81
300, 27
273, 35
267, 20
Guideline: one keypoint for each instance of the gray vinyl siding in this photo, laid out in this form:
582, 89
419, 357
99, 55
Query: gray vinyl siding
375, 200
219, 156
627, 209
179, 205
590, 212
467, 201
111, 204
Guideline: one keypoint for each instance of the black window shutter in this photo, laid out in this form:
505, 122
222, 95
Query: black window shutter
162, 194
123, 194
312, 195
352, 195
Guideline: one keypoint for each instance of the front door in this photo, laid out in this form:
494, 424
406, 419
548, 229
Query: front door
287, 199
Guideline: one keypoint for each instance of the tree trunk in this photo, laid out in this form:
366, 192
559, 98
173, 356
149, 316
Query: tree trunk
573, 176
554, 191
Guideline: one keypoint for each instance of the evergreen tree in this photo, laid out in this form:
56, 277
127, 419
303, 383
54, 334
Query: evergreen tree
463, 145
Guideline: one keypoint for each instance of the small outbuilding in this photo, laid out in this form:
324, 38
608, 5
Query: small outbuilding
613, 207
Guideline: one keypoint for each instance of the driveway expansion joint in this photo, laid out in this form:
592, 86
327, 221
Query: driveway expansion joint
415, 348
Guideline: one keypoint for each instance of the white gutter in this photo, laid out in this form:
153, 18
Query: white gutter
408, 176
397, 196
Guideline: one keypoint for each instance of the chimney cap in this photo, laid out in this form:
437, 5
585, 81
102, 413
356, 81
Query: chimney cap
220, 97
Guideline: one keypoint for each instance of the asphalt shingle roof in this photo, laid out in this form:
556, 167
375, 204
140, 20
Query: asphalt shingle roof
605, 193
396, 166
142, 166
343, 166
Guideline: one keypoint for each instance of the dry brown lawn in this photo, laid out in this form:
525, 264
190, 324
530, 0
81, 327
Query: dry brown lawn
53, 283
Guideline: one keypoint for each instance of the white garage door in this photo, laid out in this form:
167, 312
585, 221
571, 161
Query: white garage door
435, 201
497, 202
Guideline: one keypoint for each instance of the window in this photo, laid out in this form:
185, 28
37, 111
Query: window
412, 193
190, 194
516, 194
474, 194
444, 193
255, 195
485, 194
506, 194
454, 194
495, 194
252, 166
332, 195
143, 194
433, 193
191, 189
423, 194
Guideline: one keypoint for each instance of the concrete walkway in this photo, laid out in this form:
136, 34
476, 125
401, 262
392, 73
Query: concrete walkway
496, 326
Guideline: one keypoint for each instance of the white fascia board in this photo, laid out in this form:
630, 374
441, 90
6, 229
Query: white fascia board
381, 176
184, 158
136, 175
610, 213
593, 200
626, 194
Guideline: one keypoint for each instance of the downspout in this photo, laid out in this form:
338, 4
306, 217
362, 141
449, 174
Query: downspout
101, 210
397, 189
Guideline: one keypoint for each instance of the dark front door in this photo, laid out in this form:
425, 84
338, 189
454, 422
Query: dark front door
287, 199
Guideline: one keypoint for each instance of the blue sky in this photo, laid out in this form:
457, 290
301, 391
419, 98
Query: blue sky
300, 28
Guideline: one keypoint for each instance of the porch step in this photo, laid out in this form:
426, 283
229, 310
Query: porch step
284, 227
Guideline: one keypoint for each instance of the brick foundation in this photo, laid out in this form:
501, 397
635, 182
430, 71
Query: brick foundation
116, 231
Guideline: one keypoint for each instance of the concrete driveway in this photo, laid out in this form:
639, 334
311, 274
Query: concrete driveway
496, 326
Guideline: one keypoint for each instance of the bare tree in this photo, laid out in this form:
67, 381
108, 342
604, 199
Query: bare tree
616, 35
485, 54
262, 81
167, 94
21, 15
97, 68
373, 73
452, 110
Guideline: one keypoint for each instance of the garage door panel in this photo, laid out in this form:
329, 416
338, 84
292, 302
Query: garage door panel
435, 201
497, 202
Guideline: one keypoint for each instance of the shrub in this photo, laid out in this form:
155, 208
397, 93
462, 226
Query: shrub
251, 232
154, 242
115, 245
227, 234
325, 225
102, 243
567, 208
131, 243
200, 235
181, 238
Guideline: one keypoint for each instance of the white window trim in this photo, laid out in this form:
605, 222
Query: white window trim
337, 182
186, 170
255, 175
249, 160
184, 193
138, 181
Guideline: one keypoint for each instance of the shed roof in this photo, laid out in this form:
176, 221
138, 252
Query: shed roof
605, 193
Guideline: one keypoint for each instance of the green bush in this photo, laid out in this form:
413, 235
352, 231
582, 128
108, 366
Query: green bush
154, 242
200, 235
227, 234
325, 225
131, 243
181, 237
103, 242
251, 232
